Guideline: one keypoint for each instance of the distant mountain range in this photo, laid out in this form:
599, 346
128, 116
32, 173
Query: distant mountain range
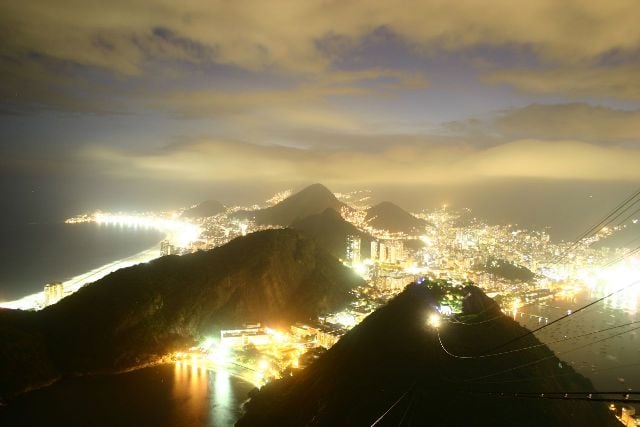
204, 209
391, 217
312, 200
393, 368
137, 314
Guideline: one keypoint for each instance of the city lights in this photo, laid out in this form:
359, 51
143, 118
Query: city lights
181, 232
345, 319
515, 306
445, 310
219, 355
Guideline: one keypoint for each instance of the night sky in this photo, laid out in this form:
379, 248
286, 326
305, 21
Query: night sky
135, 104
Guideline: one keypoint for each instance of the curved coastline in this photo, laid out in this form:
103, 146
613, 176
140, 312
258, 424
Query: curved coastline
238, 371
34, 301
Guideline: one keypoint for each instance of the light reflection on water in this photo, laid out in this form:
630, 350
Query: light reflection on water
208, 396
181, 394
223, 395
604, 363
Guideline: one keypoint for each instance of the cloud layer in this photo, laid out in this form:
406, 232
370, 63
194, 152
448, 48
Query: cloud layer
577, 121
297, 90
303, 36
578, 47
217, 160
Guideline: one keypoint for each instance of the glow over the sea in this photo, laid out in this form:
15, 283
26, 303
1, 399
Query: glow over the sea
179, 232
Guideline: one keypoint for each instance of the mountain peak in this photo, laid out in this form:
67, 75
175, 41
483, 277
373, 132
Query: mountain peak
204, 209
313, 192
389, 216
311, 200
386, 205
393, 352
317, 187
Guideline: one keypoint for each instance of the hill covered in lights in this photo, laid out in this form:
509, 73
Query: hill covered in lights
394, 361
136, 315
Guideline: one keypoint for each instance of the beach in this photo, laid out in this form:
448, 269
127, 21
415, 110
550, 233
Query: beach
35, 301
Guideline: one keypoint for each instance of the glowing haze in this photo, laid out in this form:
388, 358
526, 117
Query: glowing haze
116, 97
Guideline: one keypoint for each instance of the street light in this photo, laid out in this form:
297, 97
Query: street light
434, 320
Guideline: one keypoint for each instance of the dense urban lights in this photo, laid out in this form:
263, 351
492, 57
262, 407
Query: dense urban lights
181, 232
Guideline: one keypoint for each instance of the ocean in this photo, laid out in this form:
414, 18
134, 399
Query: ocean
166, 395
34, 254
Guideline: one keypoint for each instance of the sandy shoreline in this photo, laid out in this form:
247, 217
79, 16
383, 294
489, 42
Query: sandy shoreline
35, 301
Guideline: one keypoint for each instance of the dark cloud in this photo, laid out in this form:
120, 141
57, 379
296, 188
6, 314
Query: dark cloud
577, 121
621, 82
36, 82
135, 38
573, 121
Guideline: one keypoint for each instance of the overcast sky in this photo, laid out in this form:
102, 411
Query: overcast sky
137, 99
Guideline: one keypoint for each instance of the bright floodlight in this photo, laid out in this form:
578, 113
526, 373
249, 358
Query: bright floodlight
345, 319
263, 365
219, 354
434, 320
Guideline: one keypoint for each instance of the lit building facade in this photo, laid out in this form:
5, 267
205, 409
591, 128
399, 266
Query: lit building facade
53, 292
353, 249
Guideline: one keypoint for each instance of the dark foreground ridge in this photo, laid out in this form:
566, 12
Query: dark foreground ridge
395, 353
138, 314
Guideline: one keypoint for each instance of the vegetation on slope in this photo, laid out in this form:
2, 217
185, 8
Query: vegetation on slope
394, 351
507, 270
330, 230
137, 314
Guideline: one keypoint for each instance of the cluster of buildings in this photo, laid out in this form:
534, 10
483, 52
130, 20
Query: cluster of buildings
458, 247
387, 251
453, 246
626, 414
382, 251
450, 251
53, 292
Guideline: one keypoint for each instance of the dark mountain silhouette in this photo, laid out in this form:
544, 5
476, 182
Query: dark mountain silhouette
137, 314
204, 209
330, 230
395, 356
389, 216
507, 270
312, 200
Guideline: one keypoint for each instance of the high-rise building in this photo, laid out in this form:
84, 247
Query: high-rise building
383, 252
53, 292
391, 251
166, 248
395, 251
353, 249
